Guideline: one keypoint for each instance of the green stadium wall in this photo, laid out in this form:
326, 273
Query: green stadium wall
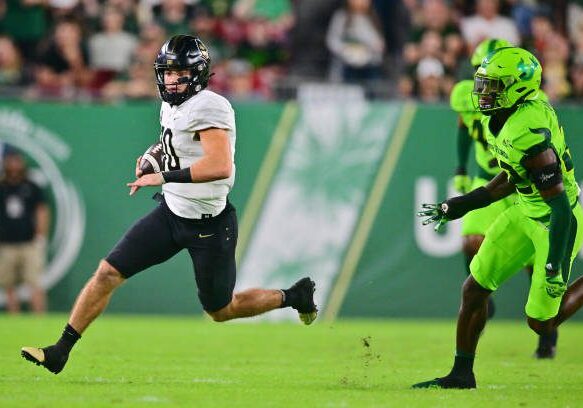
326, 190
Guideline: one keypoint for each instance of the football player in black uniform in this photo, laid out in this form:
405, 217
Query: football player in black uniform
198, 137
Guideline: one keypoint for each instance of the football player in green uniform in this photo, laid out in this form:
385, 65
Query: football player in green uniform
469, 132
475, 223
544, 224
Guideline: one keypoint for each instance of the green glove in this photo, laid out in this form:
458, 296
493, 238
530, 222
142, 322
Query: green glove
462, 183
435, 213
554, 283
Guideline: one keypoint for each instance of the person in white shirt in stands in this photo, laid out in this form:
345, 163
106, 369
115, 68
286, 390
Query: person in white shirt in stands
488, 23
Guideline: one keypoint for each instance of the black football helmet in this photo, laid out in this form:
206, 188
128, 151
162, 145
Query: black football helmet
183, 52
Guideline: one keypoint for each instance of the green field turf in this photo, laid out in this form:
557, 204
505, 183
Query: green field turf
175, 361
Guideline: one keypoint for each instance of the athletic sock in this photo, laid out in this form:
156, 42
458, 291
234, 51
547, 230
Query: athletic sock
548, 339
68, 339
289, 298
463, 364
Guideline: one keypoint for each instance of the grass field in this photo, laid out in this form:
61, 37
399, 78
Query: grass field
175, 361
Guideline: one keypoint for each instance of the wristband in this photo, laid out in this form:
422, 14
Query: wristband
177, 176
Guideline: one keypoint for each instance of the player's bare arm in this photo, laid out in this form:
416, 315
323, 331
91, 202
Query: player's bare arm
500, 187
217, 163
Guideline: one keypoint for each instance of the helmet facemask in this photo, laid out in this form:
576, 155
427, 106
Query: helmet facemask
489, 94
192, 81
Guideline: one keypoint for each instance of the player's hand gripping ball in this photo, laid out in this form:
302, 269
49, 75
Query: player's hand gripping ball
152, 161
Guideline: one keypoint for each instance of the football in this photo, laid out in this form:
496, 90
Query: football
153, 159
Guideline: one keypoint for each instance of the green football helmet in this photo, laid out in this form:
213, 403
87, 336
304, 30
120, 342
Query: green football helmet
506, 77
485, 48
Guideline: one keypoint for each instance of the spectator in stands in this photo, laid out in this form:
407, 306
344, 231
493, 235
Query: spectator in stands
173, 17
522, 14
151, 36
240, 81
555, 71
488, 23
63, 62
541, 30
552, 50
309, 56
111, 50
434, 15
207, 28
218, 8
261, 46
62, 8
139, 83
267, 30
11, 68
26, 22
24, 226
435, 35
130, 13
355, 41
575, 29
430, 75
395, 24
576, 76
575, 20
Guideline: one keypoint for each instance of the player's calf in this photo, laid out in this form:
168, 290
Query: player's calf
541, 327
548, 334
547, 345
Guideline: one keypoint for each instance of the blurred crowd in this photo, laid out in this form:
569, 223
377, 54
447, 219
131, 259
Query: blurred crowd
264, 49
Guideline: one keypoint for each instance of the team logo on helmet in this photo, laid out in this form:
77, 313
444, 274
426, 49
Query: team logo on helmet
527, 69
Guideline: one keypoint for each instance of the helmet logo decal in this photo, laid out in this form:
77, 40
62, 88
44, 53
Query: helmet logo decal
527, 69
203, 50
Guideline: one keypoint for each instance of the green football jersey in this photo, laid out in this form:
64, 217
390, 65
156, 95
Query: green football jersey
530, 130
461, 102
